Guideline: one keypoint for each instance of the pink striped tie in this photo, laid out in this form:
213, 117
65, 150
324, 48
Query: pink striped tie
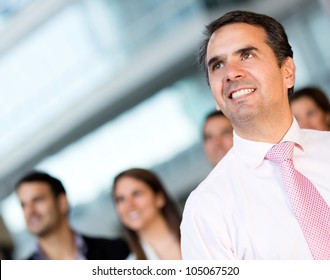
312, 212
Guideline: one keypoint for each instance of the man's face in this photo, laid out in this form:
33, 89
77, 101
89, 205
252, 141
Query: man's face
218, 138
244, 76
41, 209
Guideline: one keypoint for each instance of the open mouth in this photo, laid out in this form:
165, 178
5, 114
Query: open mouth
133, 215
241, 92
34, 220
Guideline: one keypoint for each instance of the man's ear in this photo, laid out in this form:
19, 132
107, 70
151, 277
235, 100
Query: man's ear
63, 203
289, 69
217, 106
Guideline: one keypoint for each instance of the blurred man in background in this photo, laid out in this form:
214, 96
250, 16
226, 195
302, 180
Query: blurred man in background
45, 206
217, 136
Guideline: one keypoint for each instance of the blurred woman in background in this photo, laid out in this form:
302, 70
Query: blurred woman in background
311, 108
150, 218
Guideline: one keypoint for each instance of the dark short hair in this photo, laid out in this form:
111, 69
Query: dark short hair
55, 185
314, 93
213, 114
216, 113
276, 36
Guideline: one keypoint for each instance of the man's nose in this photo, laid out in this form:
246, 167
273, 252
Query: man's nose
28, 210
219, 141
233, 71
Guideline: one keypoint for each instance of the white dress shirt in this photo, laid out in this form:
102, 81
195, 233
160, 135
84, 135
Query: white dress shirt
242, 211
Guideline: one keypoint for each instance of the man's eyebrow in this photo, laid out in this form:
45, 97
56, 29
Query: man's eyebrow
245, 49
237, 52
213, 60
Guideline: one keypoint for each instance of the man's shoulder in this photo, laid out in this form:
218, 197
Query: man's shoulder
317, 140
316, 134
215, 186
106, 248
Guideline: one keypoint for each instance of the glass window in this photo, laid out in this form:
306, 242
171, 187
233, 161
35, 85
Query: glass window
149, 134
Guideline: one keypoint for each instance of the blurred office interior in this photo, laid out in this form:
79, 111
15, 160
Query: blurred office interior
89, 88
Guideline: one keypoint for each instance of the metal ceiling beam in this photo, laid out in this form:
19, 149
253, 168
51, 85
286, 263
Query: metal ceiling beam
124, 91
27, 20
160, 64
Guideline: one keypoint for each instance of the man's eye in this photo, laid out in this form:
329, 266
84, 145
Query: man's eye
246, 55
227, 132
119, 199
217, 65
311, 113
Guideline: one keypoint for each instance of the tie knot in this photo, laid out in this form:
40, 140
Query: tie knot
281, 152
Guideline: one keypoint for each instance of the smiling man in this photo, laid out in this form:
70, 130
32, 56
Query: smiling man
269, 196
45, 207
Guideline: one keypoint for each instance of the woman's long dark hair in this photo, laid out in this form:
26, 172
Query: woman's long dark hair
170, 211
314, 93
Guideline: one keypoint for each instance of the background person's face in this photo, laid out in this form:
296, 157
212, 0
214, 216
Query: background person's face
41, 209
309, 115
218, 138
137, 205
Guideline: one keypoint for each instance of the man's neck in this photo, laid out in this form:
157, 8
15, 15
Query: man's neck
268, 131
59, 244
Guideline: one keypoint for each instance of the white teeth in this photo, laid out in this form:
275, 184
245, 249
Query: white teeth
33, 220
133, 214
241, 92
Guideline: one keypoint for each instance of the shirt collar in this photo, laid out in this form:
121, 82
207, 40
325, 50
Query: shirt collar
81, 246
80, 243
253, 153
